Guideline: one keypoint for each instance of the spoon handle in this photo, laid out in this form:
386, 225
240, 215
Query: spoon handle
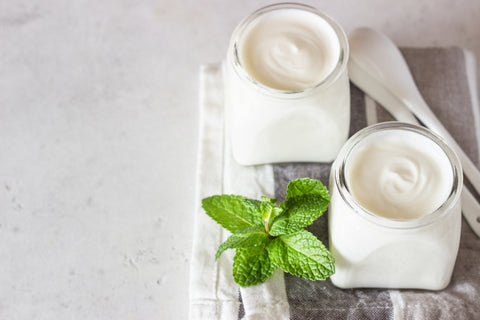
423, 112
470, 206
369, 84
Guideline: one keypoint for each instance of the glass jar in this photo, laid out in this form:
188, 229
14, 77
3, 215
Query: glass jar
268, 125
374, 251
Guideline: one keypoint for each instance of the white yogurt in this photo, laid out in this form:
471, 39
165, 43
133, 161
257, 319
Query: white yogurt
289, 49
286, 87
399, 174
395, 212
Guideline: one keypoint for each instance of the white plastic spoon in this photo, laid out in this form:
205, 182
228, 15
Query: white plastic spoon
377, 67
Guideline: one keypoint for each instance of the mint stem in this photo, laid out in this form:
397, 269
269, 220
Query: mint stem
267, 226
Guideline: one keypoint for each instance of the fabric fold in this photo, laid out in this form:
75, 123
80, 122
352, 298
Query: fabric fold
213, 293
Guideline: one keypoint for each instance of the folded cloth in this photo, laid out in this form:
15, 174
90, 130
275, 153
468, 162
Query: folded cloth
446, 78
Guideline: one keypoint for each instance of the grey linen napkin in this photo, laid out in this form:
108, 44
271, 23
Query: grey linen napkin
442, 75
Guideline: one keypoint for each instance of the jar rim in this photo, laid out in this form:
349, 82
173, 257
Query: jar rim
339, 68
339, 168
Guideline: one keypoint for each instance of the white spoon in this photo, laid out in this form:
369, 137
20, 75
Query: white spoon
378, 68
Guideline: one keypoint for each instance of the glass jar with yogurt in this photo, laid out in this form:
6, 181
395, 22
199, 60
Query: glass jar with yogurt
395, 212
287, 93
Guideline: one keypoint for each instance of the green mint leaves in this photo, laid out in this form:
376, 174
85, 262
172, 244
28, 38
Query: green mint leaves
233, 212
302, 254
267, 236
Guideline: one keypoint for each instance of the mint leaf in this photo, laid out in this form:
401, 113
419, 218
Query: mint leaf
306, 200
268, 211
250, 237
298, 213
302, 255
233, 212
252, 266
276, 211
306, 186
266, 207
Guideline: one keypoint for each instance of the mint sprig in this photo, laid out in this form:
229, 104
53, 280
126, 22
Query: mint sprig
267, 236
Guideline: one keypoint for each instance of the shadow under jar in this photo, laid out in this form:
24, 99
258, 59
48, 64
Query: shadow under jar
287, 93
395, 211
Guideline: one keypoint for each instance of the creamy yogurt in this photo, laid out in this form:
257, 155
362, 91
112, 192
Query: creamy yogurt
399, 174
287, 93
289, 49
395, 212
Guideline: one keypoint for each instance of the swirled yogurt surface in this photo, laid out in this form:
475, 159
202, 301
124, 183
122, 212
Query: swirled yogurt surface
289, 49
399, 175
